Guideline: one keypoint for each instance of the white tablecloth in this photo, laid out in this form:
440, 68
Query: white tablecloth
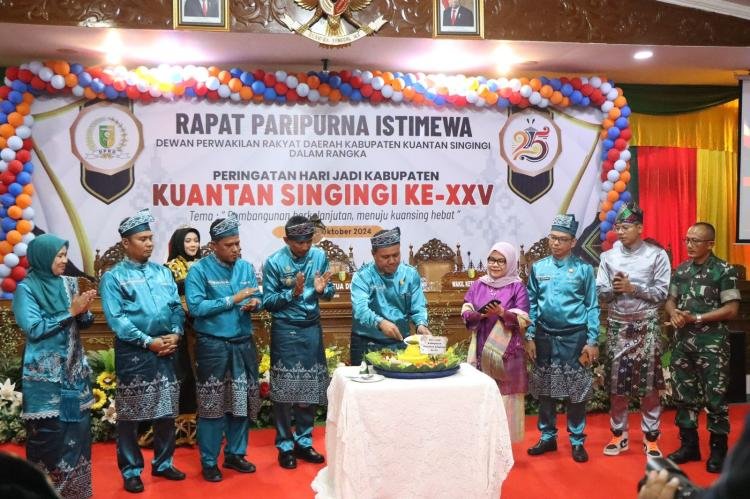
412, 439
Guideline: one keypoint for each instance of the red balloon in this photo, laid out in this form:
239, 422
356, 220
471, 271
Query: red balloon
606, 245
119, 85
280, 88
28, 144
576, 82
607, 164
3, 188
7, 177
586, 89
18, 273
376, 97
355, 82
611, 236
460, 101
626, 133
515, 98
621, 144
506, 92
37, 83
345, 75
12, 72
15, 166
366, 90
212, 95
9, 285
291, 95
613, 155
23, 155
201, 89
132, 93
258, 74
269, 80
23, 262
4, 91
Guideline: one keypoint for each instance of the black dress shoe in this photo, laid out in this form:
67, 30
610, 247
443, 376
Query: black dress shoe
134, 484
170, 473
309, 454
287, 460
579, 454
211, 474
238, 463
542, 446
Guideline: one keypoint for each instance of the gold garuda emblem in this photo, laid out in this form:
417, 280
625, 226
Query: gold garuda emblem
332, 22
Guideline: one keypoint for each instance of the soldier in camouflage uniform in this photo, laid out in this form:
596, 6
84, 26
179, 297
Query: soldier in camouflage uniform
702, 296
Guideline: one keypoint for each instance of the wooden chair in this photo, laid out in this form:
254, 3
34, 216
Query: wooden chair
338, 261
433, 260
107, 260
538, 250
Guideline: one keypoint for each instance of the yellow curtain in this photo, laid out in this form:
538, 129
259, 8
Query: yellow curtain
716, 203
714, 129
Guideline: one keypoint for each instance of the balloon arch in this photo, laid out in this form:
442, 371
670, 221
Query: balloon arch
26, 81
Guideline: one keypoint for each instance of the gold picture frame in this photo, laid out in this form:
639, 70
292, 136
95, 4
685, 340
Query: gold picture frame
212, 15
458, 18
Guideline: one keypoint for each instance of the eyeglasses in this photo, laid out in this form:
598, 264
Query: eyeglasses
694, 240
623, 228
558, 239
498, 261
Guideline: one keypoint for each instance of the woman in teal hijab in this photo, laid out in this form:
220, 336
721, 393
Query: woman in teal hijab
56, 387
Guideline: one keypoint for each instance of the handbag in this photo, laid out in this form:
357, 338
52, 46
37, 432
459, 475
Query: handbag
497, 343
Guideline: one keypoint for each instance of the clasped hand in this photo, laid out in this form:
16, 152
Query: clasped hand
165, 345
680, 318
621, 283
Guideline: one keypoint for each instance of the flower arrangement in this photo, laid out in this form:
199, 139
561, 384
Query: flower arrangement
12, 428
103, 411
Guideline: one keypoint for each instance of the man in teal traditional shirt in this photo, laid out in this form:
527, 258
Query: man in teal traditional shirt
562, 339
142, 307
386, 297
221, 290
295, 278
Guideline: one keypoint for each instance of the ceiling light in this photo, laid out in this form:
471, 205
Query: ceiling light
643, 54
112, 47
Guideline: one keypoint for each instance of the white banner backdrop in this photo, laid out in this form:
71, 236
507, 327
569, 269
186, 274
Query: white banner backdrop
436, 173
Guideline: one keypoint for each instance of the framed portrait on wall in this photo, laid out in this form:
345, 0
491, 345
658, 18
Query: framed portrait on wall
201, 14
459, 18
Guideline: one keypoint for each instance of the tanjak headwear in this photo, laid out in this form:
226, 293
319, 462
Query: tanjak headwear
565, 223
137, 223
629, 213
225, 227
299, 228
386, 238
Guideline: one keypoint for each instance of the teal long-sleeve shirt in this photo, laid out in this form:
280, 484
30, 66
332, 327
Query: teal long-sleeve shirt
140, 302
209, 290
376, 296
562, 294
279, 279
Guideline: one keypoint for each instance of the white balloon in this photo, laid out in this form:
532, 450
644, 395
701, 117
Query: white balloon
387, 92
480, 102
212, 83
535, 98
23, 131
544, 103
303, 89
235, 97
607, 106
613, 94
613, 175
397, 97
3, 166
291, 81
4, 270
11, 260
77, 91
155, 92
603, 196
625, 155
605, 87
7, 154
28, 237
27, 213
471, 97
607, 185
378, 82
515, 84
201, 73
45, 74
28, 120
366, 76
595, 82
620, 165
280, 75
142, 86
20, 249
224, 91
526, 91
57, 82
313, 95
15, 142
35, 67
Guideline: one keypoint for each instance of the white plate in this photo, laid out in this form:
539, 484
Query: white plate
369, 379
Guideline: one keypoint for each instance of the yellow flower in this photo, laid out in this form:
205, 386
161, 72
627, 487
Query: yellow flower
106, 380
330, 353
265, 364
100, 398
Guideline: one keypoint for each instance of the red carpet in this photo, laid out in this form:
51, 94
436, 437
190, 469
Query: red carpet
551, 476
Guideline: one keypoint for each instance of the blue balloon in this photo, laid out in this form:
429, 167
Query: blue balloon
18, 86
15, 188
419, 88
246, 78
625, 196
585, 101
258, 87
613, 132
611, 216
346, 89
607, 144
356, 95
190, 92
269, 94
606, 226
3, 118
439, 100
492, 86
616, 207
432, 93
7, 200
576, 97
3, 235
621, 122
23, 178
97, 86
324, 77
566, 89
603, 155
625, 111
7, 107
334, 81
8, 224
84, 79
6, 296
555, 83
76, 68
15, 97
235, 72
544, 80
3, 214
111, 93
281, 99
503, 103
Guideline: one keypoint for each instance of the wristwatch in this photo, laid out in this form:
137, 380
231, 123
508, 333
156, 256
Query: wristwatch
698, 319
